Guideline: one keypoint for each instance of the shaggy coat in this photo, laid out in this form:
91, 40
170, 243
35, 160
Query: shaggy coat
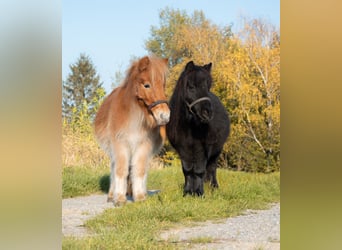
130, 127
199, 126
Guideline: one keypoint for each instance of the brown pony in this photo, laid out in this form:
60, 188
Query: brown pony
130, 127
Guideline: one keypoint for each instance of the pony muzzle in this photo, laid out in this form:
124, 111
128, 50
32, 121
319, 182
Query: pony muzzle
160, 111
205, 114
162, 118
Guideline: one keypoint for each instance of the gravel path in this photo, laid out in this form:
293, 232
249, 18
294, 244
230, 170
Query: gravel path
253, 230
75, 211
256, 229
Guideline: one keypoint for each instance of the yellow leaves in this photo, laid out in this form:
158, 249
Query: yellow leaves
246, 77
199, 41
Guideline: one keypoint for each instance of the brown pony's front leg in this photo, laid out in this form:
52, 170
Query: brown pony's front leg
121, 170
139, 170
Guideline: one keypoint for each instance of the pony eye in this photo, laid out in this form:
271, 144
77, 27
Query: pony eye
147, 86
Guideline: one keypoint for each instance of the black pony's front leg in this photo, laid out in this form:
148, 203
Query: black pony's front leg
188, 180
210, 174
198, 184
194, 178
188, 185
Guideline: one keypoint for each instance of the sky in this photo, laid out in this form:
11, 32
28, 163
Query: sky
112, 32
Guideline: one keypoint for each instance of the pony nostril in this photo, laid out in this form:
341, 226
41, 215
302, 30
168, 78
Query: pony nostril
205, 113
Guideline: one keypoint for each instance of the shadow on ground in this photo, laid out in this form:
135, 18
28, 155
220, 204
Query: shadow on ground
104, 183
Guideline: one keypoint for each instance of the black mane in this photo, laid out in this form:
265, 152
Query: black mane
177, 99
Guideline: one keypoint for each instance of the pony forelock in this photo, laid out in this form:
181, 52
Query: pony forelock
157, 67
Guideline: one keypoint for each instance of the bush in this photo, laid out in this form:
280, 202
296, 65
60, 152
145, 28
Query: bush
79, 146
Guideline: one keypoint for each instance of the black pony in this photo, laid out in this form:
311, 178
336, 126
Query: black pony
198, 127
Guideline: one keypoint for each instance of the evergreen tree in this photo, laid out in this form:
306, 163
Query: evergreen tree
82, 88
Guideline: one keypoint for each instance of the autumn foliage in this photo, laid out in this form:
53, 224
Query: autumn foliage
246, 78
246, 74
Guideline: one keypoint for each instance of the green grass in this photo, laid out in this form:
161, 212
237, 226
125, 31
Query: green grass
78, 181
137, 225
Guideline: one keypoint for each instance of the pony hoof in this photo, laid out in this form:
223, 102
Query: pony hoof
119, 203
200, 194
140, 197
187, 192
110, 199
120, 200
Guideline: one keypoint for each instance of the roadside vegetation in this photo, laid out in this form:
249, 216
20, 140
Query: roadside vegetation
137, 225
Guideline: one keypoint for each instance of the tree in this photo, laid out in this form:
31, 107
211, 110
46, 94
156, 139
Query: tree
246, 76
117, 79
82, 89
163, 42
182, 37
262, 45
250, 80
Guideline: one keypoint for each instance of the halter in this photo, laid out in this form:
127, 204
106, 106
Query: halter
153, 104
195, 102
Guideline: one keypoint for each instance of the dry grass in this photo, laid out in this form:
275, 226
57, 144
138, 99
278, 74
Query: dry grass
82, 149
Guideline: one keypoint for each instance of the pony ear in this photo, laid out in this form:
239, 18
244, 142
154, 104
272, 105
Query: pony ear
189, 66
143, 63
166, 60
207, 67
